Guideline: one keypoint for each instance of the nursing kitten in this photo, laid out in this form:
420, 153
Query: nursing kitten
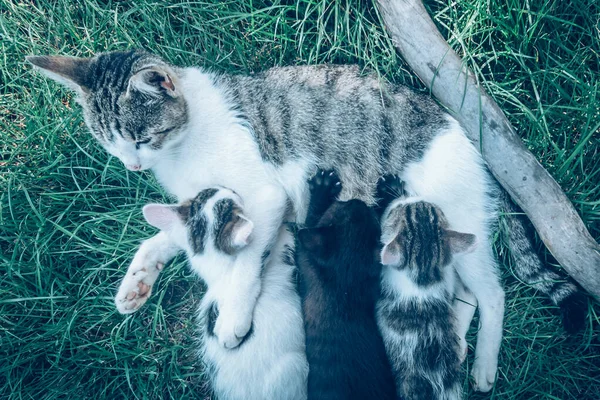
263, 135
339, 286
270, 362
416, 313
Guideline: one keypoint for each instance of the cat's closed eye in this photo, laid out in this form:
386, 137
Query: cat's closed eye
141, 142
164, 131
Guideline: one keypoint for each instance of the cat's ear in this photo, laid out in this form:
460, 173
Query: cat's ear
461, 243
241, 232
161, 216
69, 71
391, 255
157, 81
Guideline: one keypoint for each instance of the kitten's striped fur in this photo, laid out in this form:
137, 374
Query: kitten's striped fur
415, 313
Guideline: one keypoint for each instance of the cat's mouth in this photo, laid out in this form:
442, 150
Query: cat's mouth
134, 167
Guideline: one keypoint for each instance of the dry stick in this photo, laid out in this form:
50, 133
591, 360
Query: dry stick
530, 185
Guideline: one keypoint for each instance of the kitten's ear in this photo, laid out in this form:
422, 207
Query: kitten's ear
391, 255
161, 216
241, 232
461, 242
70, 71
157, 81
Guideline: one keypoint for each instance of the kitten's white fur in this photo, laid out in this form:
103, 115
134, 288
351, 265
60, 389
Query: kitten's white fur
271, 364
218, 148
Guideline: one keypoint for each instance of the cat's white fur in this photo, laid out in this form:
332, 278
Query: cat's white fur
218, 148
272, 363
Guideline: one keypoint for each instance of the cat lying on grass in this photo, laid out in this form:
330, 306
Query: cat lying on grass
263, 135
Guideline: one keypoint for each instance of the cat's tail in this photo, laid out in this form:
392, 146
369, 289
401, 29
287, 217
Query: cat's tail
529, 268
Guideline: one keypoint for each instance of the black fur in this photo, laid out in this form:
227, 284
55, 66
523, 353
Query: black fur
339, 286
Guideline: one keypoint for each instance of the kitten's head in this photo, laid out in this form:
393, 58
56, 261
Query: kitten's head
345, 242
416, 238
132, 101
212, 224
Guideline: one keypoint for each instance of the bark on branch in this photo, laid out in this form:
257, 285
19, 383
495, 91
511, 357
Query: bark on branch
529, 184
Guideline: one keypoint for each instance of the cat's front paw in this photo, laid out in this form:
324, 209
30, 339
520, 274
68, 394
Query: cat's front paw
390, 187
484, 375
232, 328
133, 293
325, 184
136, 286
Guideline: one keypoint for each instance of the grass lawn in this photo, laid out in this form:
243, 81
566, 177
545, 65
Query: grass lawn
70, 216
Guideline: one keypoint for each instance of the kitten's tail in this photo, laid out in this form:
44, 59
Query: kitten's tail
529, 268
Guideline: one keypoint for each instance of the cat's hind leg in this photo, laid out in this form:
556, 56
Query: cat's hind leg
478, 272
464, 306
148, 262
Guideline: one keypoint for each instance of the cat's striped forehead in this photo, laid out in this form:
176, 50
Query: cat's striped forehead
209, 218
416, 230
117, 114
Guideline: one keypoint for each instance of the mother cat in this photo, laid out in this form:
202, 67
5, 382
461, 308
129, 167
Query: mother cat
264, 135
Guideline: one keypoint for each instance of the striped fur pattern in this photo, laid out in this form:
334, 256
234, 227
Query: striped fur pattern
528, 267
339, 287
263, 135
415, 313
270, 361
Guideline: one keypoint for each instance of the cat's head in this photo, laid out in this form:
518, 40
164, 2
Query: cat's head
132, 101
416, 238
345, 242
211, 225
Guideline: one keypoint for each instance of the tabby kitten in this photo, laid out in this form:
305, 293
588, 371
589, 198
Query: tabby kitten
270, 362
263, 135
415, 313
339, 286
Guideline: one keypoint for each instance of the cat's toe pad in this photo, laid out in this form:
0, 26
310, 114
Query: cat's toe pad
134, 291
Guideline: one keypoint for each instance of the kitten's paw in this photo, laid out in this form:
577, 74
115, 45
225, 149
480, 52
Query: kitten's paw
390, 187
136, 286
133, 293
325, 183
232, 328
484, 375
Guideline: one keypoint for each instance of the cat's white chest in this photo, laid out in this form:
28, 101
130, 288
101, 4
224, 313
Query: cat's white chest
181, 181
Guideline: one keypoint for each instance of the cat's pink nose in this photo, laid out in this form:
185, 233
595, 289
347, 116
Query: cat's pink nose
133, 167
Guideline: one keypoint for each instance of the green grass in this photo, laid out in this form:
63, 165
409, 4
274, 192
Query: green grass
70, 216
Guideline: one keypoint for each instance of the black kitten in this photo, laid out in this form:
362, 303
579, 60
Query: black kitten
338, 259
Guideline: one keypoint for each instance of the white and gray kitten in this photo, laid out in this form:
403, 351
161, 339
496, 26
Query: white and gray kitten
270, 361
416, 313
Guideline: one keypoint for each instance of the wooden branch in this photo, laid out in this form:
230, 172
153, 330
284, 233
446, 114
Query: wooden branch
530, 185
